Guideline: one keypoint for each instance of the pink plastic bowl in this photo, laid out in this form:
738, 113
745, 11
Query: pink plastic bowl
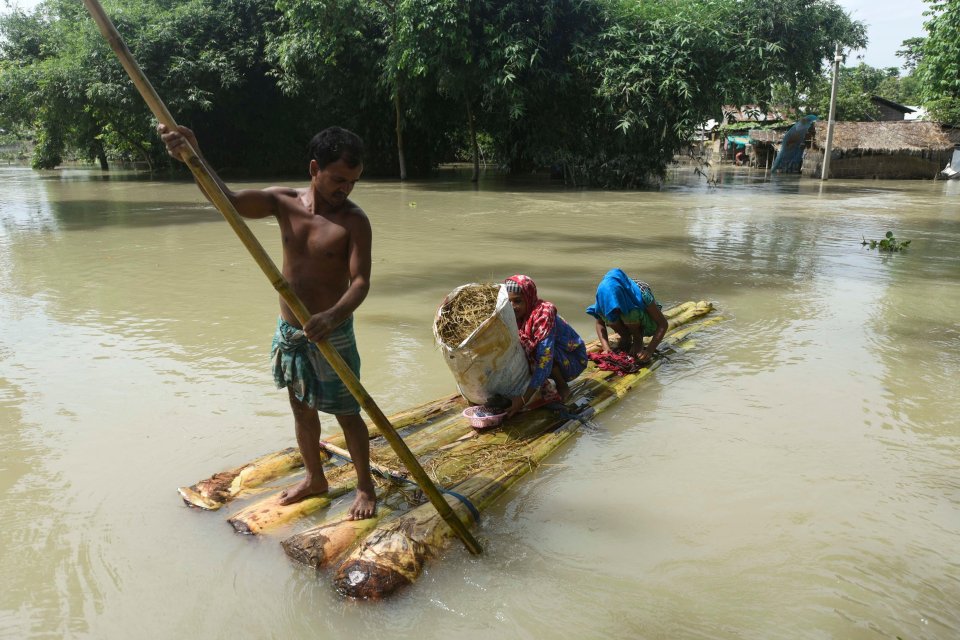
482, 422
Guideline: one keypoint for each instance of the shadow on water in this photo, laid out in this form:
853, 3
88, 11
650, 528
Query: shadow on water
95, 175
766, 259
92, 214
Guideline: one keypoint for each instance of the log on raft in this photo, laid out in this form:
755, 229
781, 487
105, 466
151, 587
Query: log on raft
394, 554
223, 487
268, 513
320, 546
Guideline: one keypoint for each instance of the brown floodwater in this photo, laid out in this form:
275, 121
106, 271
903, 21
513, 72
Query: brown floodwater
796, 475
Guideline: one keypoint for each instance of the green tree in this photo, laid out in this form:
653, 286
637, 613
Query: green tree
350, 62
606, 91
938, 69
805, 32
902, 89
542, 104
447, 42
362, 62
59, 77
667, 67
911, 51
855, 88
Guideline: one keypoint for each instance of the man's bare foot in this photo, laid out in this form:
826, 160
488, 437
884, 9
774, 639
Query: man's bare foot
364, 506
303, 490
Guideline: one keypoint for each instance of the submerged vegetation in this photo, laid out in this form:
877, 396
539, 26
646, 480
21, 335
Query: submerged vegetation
888, 243
604, 92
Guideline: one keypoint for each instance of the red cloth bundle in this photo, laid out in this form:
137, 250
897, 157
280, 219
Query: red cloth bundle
622, 363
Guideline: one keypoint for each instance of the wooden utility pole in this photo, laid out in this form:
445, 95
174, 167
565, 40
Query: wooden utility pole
825, 175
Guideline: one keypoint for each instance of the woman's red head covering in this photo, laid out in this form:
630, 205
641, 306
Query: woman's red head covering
541, 315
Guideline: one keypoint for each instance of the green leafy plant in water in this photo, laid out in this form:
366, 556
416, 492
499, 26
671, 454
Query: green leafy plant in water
888, 243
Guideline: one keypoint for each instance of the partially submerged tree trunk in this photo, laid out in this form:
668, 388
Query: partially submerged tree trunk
144, 152
101, 155
403, 162
474, 145
393, 555
321, 546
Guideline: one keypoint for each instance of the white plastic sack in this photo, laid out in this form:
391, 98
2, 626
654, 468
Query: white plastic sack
490, 360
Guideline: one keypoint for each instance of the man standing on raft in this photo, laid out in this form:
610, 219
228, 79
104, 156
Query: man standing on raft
326, 259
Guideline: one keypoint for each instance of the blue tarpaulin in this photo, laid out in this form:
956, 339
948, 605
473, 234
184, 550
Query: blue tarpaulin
740, 140
790, 157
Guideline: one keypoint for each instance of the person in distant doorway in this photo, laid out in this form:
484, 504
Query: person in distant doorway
554, 350
326, 260
629, 308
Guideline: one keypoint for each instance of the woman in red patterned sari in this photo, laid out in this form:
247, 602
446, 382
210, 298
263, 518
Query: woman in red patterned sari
554, 350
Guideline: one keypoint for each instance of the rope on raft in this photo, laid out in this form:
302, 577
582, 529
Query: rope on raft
583, 417
397, 478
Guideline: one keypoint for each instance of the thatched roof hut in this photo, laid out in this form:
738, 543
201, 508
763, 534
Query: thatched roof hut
890, 137
769, 136
895, 149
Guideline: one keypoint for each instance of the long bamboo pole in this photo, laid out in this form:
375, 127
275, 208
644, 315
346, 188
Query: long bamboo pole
204, 177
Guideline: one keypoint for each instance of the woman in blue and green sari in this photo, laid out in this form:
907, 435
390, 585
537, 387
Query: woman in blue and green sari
629, 308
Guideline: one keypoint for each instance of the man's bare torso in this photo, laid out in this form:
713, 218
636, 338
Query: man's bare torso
316, 250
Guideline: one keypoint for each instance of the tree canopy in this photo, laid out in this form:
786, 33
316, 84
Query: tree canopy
855, 87
938, 61
603, 91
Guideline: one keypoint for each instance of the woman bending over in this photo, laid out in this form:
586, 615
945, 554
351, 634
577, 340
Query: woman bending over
629, 308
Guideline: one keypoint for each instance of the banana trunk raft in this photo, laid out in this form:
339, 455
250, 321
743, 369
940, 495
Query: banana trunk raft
373, 558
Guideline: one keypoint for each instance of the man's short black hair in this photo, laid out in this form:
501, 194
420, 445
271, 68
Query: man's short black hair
336, 143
